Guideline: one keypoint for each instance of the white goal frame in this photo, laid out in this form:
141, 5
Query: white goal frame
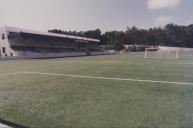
160, 53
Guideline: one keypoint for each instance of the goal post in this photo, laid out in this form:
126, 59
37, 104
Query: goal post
161, 53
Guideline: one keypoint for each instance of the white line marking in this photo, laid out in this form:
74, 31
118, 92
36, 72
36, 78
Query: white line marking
8, 74
106, 61
129, 62
108, 78
123, 62
95, 77
180, 63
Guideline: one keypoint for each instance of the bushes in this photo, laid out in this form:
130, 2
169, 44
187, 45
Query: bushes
118, 46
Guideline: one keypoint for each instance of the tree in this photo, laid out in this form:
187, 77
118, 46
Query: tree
170, 35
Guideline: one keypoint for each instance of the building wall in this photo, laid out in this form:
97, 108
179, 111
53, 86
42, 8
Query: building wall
179, 49
5, 49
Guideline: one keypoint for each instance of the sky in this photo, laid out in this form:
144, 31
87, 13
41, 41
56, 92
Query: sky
107, 15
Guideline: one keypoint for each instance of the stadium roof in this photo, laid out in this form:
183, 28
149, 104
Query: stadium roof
14, 29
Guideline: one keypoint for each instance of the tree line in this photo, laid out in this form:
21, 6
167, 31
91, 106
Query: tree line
170, 35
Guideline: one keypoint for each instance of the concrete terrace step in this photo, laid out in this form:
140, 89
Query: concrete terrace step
7, 124
4, 126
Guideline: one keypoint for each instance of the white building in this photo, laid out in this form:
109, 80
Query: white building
23, 43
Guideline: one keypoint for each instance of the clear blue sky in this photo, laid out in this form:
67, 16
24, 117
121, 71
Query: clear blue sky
90, 14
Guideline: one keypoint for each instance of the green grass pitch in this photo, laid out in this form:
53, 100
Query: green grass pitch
51, 101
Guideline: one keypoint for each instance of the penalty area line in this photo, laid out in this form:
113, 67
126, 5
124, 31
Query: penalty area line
107, 78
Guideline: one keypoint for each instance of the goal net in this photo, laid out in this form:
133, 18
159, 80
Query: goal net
186, 53
161, 53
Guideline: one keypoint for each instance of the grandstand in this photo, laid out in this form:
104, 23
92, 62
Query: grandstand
23, 43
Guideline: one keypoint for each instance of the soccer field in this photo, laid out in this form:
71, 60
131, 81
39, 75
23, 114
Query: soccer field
116, 91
